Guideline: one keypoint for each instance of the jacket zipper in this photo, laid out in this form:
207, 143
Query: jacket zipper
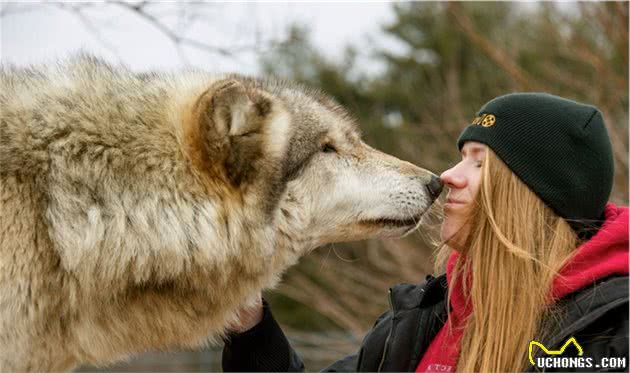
391, 305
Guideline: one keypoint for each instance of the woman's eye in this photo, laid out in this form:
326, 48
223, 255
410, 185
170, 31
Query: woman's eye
479, 164
328, 148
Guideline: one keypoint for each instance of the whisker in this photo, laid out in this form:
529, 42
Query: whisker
324, 259
340, 258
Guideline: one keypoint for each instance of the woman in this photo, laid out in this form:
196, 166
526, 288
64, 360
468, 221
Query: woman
534, 253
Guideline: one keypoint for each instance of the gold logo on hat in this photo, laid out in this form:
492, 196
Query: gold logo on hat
486, 120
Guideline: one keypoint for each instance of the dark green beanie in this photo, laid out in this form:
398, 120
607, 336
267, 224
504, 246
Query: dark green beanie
559, 148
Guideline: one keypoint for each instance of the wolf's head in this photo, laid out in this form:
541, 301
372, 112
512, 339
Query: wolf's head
296, 160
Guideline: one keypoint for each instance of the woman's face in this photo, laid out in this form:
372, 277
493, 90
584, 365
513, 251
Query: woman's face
463, 180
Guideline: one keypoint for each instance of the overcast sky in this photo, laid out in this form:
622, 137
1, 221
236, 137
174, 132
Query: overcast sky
46, 32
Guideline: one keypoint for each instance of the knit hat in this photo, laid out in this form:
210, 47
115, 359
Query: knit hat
559, 148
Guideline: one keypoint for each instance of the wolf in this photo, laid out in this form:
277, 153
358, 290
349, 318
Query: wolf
140, 211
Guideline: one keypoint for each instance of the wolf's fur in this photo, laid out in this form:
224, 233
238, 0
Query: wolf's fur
140, 211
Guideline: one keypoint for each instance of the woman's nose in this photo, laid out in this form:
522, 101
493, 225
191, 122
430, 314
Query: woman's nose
446, 176
450, 178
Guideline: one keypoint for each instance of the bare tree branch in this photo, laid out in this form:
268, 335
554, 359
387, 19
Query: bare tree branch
178, 40
141, 10
77, 11
304, 290
493, 51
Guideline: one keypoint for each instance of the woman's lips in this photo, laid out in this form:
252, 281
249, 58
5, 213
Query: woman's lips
452, 203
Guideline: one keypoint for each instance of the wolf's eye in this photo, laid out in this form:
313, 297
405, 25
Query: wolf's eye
328, 148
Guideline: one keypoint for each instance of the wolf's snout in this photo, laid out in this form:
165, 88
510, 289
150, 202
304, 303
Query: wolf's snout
434, 187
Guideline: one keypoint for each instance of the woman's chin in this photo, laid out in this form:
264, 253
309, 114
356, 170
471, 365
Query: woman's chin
453, 238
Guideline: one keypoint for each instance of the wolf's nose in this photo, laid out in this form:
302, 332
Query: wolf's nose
435, 187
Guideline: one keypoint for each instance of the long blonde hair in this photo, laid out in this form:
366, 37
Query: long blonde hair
515, 248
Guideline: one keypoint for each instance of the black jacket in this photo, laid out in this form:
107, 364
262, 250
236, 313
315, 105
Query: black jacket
597, 316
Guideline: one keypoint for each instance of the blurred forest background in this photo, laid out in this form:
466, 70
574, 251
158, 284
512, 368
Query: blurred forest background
451, 58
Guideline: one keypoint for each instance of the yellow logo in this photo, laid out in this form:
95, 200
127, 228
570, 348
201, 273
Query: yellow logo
486, 120
554, 352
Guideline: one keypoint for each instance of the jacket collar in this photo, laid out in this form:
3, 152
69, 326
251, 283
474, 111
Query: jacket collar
407, 296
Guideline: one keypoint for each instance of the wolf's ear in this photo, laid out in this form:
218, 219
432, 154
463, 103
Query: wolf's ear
231, 129
228, 109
